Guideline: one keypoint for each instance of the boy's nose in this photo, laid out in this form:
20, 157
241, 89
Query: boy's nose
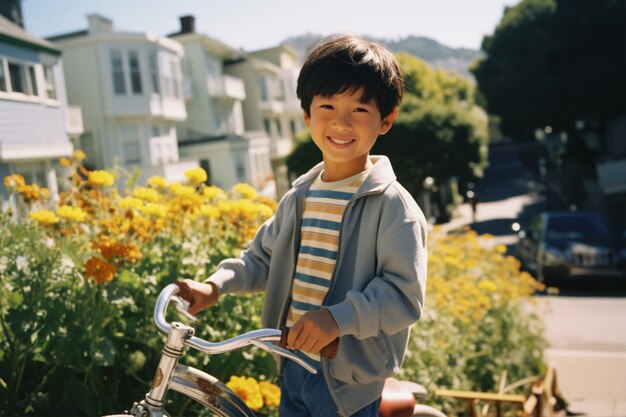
343, 120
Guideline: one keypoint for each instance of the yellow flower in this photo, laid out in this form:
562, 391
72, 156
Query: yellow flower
65, 162
181, 190
212, 192
30, 192
210, 211
44, 217
146, 194
130, 203
71, 213
488, 285
100, 178
244, 190
270, 393
14, 181
196, 175
157, 181
79, 155
248, 390
154, 209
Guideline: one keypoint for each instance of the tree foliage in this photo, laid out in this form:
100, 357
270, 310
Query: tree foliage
554, 62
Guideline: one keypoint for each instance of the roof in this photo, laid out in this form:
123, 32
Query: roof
12, 33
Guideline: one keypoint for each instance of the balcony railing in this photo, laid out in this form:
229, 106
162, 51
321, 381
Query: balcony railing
74, 120
226, 86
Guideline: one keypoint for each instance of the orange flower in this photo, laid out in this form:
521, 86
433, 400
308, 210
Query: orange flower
100, 270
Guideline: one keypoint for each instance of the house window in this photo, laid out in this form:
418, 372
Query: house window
32, 81
175, 80
117, 69
3, 77
263, 88
154, 73
51, 89
135, 72
268, 126
17, 77
279, 127
132, 152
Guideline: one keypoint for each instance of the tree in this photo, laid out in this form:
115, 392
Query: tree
553, 63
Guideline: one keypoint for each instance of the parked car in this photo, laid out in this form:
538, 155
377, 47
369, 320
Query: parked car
557, 246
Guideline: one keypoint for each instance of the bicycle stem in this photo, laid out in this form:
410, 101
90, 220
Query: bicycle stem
172, 352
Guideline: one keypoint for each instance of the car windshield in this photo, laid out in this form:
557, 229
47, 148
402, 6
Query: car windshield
576, 227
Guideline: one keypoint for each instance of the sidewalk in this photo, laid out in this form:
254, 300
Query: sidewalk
592, 382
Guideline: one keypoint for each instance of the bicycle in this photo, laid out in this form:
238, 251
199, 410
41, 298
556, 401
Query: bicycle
398, 399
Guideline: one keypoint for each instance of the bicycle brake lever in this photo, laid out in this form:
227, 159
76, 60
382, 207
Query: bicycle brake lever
182, 306
272, 348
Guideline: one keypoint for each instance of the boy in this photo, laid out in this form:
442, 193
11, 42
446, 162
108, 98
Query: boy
345, 254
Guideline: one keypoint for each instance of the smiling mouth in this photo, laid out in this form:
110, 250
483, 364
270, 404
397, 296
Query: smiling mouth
340, 141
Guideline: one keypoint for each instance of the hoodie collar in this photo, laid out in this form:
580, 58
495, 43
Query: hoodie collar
379, 178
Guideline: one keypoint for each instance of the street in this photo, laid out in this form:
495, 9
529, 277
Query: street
585, 324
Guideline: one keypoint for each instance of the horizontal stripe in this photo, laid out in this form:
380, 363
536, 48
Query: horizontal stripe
317, 258
324, 224
318, 230
316, 287
312, 264
324, 208
314, 273
321, 245
297, 305
330, 217
312, 292
319, 252
319, 237
335, 195
312, 279
314, 300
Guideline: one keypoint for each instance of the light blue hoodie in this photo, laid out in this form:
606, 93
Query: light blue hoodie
377, 290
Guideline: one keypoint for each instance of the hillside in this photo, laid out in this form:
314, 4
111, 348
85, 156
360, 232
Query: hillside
431, 51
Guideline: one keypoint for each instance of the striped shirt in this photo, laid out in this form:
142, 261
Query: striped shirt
324, 205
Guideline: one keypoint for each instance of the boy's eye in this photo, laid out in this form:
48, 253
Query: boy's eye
360, 110
326, 106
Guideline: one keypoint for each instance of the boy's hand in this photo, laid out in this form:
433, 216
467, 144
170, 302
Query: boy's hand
203, 295
313, 331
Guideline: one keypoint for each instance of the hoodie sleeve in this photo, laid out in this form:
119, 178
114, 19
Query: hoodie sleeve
394, 298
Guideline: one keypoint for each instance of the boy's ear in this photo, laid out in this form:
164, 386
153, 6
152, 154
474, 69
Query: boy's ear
307, 119
387, 122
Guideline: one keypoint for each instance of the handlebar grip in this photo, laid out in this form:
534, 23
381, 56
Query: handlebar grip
329, 351
184, 291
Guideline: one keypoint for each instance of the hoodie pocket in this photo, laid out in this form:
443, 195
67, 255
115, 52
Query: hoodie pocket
361, 361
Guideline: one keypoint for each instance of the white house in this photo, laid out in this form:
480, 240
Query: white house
215, 132
130, 87
271, 105
36, 124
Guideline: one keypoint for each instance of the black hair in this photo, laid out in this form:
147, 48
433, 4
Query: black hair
347, 63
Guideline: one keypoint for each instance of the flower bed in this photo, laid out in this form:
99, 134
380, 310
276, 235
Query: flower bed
79, 277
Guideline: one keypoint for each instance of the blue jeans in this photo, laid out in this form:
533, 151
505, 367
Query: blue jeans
303, 394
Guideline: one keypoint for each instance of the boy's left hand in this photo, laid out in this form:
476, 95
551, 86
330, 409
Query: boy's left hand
313, 331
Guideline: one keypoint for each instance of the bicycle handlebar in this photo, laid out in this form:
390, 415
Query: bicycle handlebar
261, 338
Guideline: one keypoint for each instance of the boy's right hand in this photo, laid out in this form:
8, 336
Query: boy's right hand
202, 295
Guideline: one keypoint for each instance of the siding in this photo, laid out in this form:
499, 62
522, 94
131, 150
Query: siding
28, 123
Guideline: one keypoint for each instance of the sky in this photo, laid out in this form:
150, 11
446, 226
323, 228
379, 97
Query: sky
258, 24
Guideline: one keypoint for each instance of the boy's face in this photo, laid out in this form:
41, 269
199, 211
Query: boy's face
345, 129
